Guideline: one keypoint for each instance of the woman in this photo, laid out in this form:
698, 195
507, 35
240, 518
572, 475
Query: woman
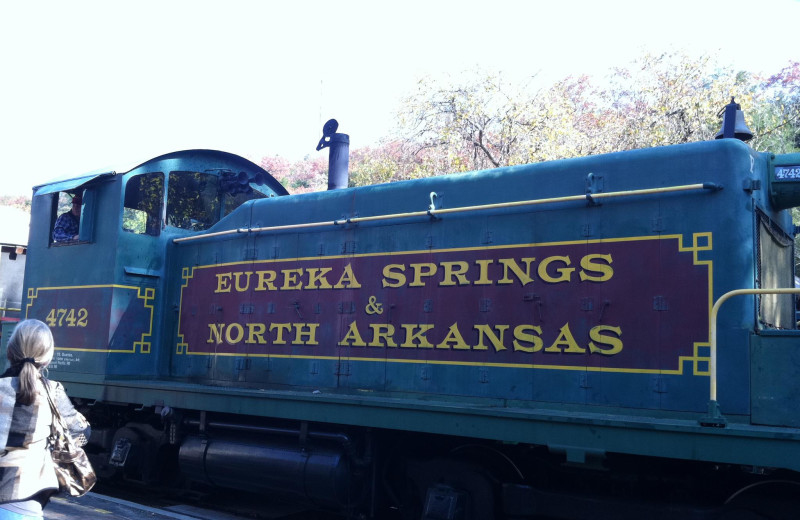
27, 475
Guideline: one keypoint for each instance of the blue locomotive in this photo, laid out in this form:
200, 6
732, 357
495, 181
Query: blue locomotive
496, 344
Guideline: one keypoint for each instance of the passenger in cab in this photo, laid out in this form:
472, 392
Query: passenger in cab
68, 224
27, 471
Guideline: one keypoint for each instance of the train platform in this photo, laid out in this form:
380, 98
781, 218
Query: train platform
96, 507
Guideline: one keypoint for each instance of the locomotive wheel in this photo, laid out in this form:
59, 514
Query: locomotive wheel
765, 500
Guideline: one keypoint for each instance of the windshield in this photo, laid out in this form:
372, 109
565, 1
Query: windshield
198, 200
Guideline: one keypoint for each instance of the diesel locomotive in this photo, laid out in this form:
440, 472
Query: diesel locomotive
546, 339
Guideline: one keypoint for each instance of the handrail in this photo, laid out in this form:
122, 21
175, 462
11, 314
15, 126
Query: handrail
714, 417
444, 211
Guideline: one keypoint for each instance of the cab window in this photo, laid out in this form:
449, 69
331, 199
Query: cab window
144, 196
192, 200
69, 211
233, 198
197, 200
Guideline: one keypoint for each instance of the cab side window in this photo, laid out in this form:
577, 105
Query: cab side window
144, 198
193, 200
69, 208
233, 198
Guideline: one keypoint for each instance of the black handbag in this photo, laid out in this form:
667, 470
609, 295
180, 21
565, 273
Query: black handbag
73, 469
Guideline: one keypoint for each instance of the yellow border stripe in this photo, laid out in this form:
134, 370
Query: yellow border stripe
147, 294
700, 364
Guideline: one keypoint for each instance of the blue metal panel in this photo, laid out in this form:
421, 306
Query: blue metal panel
704, 235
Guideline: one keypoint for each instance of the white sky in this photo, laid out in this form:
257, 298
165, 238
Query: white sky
92, 84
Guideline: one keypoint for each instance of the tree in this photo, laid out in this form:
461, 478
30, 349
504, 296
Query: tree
309, 174
671, 98
484, 121
473, 125
776, 121
16, 201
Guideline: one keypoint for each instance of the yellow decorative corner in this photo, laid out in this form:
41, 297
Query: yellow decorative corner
148, 294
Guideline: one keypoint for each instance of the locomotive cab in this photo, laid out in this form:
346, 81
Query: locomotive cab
98, 291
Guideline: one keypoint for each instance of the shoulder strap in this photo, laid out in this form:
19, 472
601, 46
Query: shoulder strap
53, 408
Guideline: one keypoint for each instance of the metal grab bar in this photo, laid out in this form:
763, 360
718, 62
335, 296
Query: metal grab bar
714, 417
434, 212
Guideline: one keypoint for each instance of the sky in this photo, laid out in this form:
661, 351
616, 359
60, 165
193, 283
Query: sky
88, 85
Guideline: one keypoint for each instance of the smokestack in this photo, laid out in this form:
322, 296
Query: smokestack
338, 155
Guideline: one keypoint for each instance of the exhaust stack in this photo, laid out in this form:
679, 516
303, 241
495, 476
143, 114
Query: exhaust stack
338, 156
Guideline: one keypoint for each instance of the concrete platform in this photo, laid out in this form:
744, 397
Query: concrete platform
97, 507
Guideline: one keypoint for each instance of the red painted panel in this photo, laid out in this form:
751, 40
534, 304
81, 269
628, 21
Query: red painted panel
590, 304
95, 318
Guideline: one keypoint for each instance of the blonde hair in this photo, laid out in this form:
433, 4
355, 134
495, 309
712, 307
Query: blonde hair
30, 349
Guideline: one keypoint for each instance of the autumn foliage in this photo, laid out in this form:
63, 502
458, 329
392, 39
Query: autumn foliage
484, 120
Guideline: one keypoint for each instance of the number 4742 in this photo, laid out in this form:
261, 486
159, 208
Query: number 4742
68, 317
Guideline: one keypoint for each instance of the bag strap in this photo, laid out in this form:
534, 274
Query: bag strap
53, 408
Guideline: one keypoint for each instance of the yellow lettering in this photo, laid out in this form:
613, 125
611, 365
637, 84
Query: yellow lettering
418, 336
615, 343
601, 271
392, 278
483, 278
255, 333
237, 282
455, 270
281, 328
565, 272
510, 264
352, 336
316, 275
223, 282
310, 334
290, 281
486, 330
238, 333
382, 335
453, 337
420, 270
215, 333
266, 280
565, 338
348, 279
521, 334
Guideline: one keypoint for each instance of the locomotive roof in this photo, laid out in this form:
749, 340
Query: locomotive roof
69, 182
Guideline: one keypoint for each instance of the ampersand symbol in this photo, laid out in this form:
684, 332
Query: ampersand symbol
373, 307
